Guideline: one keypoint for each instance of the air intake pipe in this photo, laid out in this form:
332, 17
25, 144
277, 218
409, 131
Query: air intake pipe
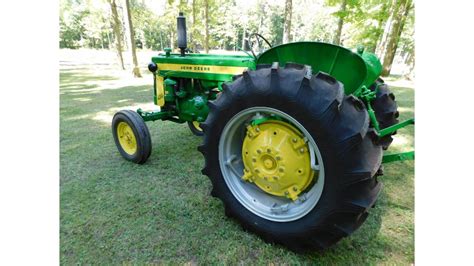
182, 33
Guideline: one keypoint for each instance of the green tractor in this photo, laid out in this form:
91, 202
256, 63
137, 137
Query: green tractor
293, 137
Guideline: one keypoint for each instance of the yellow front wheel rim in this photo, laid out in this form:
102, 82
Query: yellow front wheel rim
127, 138
197, 126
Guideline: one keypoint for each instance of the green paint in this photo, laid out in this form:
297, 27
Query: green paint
341, 63
367, 96
389, 130
403, 156
191, 81
201, 76
193, 108
153, 116
374, 68
169, 90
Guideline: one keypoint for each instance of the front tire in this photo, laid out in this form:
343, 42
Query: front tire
131, 136
339, 127
195, 128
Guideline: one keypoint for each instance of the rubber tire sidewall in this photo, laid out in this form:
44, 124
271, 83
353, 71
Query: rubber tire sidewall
140, 130
329, 200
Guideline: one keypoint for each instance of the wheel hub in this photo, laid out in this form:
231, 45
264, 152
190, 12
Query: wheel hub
276, 158
126, 138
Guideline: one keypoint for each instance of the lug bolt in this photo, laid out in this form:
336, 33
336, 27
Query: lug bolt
294, 140
295, 189
286, 193
259, 151
269, 150
275, 177
278, 158
254, 160
302, 150
257, 171
281, 170
250, 135
257, 129
266, 178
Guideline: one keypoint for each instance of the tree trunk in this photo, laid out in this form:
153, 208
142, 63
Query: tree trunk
243, 37
206, 10
400, 13
109, 41
340, 23
136, 69
411, 63
287, 24
161, 41
172, 39
381, 27
235, 40
380, 49
117, 31
193, 27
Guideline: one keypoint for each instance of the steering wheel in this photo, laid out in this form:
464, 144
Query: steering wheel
257, 37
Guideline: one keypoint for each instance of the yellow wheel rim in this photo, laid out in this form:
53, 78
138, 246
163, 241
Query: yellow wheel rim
196, 125
277, 159
127, 138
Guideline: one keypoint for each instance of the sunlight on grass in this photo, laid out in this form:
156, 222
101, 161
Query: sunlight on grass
124, 100
401, 83
101, 85
78, 117
401, 142
106, 116
82, 99
402, 109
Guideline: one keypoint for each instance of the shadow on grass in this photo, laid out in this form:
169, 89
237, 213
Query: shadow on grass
70, 77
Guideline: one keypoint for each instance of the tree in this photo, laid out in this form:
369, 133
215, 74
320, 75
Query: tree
400, 11
206, 23
349, 12
363, 22
136, 69
193, 33
287, 28
117, 27
382, 43
224, 24
340, 23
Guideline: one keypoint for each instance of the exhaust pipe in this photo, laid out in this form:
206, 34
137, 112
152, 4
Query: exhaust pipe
182, 42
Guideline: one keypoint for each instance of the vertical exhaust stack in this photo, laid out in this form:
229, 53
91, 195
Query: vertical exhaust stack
182, 33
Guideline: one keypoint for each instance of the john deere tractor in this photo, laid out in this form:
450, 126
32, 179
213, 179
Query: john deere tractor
293, 137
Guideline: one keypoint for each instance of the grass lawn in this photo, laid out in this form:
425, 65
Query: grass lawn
115, 212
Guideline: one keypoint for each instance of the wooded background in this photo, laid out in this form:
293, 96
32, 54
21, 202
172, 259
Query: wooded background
383, 27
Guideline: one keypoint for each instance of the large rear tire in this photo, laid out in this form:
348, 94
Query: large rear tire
386, 110
336, 124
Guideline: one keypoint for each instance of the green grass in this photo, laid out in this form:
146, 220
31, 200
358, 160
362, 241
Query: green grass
115, 212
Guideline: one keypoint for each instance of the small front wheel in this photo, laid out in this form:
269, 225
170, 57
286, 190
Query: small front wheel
131, 136
195, 128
